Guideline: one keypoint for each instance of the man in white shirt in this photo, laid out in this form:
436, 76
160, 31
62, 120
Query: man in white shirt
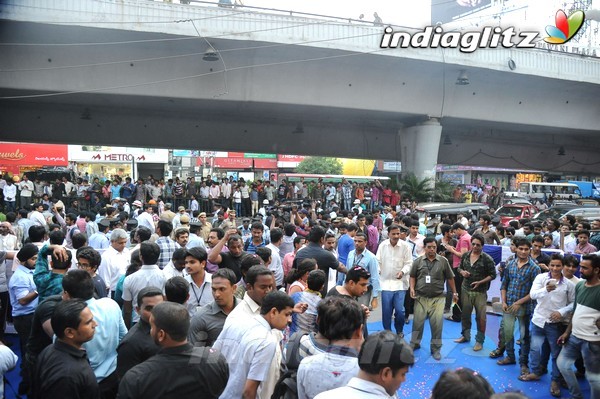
115, 260
26, 187
176, 266
145, 218
276, 266
259, 282
226, 190
8, 242
252, 350
10, 194
555, 295
149, 275
395, 261
379, 376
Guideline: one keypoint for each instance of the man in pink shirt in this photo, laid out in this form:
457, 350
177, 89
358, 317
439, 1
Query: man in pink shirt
372, 235
377, 220
288, 259
584, 247
463, 245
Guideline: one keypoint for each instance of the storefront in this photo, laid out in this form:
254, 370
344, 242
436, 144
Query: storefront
106, 161
18, 158
505, 178
236, 165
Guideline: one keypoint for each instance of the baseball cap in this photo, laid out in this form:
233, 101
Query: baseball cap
181, 208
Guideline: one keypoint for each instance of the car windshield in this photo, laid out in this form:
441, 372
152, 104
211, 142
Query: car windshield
509, 211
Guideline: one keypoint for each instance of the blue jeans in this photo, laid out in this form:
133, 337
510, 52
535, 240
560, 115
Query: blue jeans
591, 358
347, 203
393, 302
341, 277
551, 331
509, 336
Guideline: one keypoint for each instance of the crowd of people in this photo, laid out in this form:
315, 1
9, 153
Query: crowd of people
265, 301
91, 193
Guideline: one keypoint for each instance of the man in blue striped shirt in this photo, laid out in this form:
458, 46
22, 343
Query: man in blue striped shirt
516, 303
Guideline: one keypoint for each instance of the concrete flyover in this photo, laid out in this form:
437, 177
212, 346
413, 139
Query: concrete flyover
137, 73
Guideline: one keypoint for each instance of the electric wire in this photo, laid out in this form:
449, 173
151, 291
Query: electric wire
56, 94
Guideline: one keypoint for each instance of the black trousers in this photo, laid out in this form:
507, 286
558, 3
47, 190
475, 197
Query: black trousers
4, 305
458, 280
109, 386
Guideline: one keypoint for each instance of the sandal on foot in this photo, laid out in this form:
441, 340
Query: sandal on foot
529, 377
496, 353
555, 389
506, 361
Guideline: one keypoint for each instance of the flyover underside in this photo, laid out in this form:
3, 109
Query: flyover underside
271, 99
225, 125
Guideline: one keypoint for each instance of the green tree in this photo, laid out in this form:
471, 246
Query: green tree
320, 165
415, 189
443, 191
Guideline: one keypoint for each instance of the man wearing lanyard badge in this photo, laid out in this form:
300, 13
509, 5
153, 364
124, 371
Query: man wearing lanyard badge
428, 276
199, 279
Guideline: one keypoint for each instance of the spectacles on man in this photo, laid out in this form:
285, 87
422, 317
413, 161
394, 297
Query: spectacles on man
83, 265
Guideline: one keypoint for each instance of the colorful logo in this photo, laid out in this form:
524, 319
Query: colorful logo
565, 27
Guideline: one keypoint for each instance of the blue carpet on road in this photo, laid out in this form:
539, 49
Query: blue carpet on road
426, 371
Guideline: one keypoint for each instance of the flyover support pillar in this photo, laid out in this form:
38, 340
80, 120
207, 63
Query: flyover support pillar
420, 145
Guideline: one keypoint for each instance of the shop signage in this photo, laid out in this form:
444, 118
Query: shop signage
265, 163
118, 157
232, 163
108, 154
25, 154
290, 158
392, 166
251, 155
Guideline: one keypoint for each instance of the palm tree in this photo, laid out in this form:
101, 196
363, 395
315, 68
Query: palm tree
443, 191
415, 189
